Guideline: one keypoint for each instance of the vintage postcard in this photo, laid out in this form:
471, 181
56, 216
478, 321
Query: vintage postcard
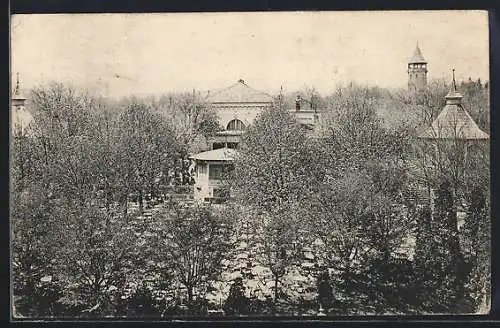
239, 165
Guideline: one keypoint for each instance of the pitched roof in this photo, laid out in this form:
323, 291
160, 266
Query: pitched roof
454, 122
239, 92
417, 56
221, 154
16, 94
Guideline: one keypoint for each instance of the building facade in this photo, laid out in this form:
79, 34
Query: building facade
237, 107
211, 170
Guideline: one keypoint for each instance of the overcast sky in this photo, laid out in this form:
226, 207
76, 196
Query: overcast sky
120, 54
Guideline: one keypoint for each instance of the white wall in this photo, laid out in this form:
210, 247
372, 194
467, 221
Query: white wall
246, 113
201, 182
203, 187
304, 117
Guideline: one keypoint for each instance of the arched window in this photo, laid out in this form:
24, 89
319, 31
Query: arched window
235, 125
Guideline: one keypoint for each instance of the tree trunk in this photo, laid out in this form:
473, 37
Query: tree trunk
347, 279
46, 156
125, 204
107, 197
140, 201
276, 279
190, 298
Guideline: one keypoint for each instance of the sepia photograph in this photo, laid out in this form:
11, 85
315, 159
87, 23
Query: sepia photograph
249, 164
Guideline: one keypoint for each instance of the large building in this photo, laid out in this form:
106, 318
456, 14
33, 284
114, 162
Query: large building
237, 106
417, 71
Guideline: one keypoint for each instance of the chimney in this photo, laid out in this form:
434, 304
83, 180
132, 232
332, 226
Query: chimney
297, 102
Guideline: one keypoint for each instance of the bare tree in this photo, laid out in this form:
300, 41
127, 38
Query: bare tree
96, 254
275, 171
194, 241
145, 149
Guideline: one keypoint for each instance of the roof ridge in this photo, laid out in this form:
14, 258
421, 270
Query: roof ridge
239, 92
222, 90
259, 91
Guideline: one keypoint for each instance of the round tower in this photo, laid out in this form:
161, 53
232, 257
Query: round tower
417, 71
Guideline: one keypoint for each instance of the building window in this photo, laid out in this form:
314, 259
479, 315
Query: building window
202, 168
218, 171
235, 125
218, 145
215, 171
232, 145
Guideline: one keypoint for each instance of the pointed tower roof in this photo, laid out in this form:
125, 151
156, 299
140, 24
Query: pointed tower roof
454, 121
417, 57
239, 92
16, 95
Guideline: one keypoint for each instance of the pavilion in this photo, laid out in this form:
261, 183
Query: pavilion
453, 135
211, 167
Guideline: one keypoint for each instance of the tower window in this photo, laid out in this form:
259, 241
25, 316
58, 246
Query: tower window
235, 125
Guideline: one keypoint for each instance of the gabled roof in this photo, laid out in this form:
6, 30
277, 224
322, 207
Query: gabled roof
417, 57
239, 92
454, 122
221, 154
